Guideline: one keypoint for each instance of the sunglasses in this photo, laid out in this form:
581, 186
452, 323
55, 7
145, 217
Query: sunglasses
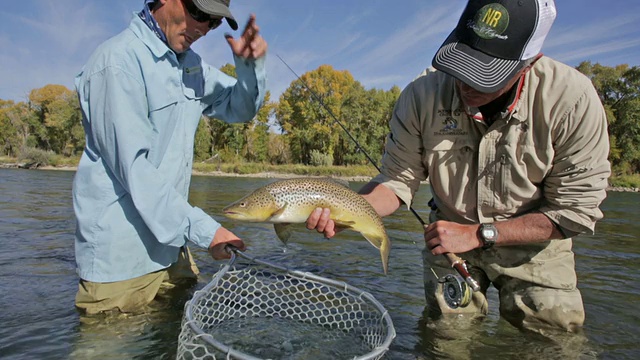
201, 16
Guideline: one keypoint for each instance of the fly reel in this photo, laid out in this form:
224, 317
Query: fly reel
455, 290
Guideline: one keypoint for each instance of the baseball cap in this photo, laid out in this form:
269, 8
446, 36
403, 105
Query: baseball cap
493, 41
219, 8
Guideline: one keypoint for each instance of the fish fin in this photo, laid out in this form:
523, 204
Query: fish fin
279, 211
382, 243
283, 230
344, 224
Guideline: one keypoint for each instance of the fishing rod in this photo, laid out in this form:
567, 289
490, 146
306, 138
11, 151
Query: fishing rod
456, 262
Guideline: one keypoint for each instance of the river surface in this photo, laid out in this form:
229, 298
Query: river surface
38, 281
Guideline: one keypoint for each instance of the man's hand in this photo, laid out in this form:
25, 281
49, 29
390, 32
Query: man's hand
222, 238
319, 220
251, 45
445, 236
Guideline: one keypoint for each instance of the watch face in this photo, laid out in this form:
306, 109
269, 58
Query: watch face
488, 233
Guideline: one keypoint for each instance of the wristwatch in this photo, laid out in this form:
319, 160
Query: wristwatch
488, 235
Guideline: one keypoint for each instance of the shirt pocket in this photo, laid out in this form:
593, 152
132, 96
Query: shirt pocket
452, 170
164, 115
446, 153
193, 82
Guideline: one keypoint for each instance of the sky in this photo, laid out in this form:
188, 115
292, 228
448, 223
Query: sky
381, 43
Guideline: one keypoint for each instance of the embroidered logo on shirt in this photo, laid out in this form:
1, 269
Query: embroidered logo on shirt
450, 124
193, 69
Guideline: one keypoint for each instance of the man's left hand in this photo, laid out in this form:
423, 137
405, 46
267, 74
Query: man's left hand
222, 238
251, 45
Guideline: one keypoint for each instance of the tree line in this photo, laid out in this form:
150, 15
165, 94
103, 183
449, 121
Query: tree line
297, 129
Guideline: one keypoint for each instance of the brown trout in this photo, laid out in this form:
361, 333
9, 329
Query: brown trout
291, 201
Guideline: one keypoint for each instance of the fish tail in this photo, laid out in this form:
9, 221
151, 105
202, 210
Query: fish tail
385, 249
381, 241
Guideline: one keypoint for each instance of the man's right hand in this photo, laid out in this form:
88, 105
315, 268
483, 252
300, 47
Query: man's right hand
221, 239
251, 45
320, 220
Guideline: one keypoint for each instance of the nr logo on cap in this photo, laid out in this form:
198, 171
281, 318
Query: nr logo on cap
491, 21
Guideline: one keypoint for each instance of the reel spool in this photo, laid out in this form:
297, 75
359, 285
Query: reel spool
455, 290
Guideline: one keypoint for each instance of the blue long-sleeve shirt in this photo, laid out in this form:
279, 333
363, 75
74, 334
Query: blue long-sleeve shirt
141, 105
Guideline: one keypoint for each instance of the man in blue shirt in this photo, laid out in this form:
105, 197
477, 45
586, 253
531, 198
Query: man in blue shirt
142, 94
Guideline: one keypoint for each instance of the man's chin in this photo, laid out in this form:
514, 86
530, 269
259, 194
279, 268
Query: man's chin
474, 101
180, 48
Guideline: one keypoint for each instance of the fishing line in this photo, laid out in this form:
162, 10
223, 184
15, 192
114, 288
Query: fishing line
456, 262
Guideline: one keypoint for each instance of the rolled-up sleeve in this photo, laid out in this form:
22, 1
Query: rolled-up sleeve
578, 180
402, 169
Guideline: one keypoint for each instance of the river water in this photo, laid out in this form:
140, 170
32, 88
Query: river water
38, 281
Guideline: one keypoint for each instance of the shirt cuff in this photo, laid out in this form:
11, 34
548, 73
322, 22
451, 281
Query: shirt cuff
570, 221
200, 228
402, 190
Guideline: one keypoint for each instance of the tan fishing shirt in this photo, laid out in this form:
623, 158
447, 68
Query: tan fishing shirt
547, 153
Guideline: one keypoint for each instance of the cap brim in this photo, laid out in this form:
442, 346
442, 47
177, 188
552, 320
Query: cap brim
232, 23
482, 72
216, 8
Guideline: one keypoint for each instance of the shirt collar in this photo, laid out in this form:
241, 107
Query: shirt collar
512, 105
151, 22
158, 47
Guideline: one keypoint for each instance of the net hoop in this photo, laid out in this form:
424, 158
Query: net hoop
190, 323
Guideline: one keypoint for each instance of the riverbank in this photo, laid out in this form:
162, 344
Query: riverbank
277, 175
260, 174
264, 174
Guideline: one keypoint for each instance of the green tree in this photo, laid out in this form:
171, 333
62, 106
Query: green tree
619, 90
368, 113
202, 141
15, 120
234, 142
304, 121
210, 137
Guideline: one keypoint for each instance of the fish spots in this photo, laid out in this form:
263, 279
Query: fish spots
293, 200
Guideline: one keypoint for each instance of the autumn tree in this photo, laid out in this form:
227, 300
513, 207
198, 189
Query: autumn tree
307, 124
336, 109
59, 124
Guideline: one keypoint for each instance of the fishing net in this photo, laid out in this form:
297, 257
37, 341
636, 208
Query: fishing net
253, 309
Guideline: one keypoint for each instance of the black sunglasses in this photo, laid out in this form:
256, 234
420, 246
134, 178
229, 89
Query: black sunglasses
201, 16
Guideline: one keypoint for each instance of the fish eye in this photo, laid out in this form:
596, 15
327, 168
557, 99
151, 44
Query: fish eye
243, 204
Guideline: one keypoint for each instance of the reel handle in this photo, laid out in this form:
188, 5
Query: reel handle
461, 267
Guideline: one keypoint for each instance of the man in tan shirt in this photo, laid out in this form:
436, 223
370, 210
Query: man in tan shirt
515, 147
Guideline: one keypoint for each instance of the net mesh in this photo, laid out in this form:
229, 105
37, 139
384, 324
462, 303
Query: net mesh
259, 310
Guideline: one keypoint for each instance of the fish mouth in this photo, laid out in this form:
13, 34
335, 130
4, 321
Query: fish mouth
233, 214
